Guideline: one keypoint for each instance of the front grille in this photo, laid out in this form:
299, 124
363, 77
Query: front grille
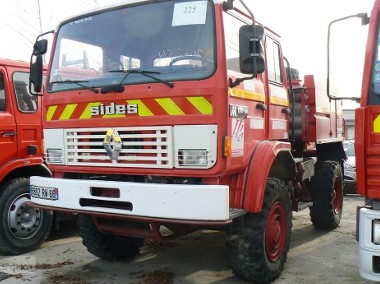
143, 147
372, 167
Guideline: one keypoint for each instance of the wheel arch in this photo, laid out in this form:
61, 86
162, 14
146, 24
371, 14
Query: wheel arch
270, 159
331, 151
27, 171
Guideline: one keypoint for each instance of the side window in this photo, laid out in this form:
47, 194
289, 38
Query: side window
273, 61
2, 93
376, 67
231, 34
25, 101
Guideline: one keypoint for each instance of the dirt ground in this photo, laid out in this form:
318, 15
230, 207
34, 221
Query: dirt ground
315, 257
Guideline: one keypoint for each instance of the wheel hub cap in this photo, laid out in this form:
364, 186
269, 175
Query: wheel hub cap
275, 233
23, 221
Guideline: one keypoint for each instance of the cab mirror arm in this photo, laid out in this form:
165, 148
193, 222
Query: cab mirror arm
235, 83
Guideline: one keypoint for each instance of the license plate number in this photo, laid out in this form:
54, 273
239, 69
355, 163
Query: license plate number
49, 193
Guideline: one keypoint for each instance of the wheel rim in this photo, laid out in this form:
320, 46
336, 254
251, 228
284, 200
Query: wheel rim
337, 198
275, 232
23, 221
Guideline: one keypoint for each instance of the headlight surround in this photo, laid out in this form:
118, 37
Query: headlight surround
195, 146
376, 232
193, 157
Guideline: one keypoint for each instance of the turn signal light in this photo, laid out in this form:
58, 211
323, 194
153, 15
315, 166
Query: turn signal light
227, 146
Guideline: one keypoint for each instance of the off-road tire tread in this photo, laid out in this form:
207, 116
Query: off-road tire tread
106, 246
322, 213
246, 241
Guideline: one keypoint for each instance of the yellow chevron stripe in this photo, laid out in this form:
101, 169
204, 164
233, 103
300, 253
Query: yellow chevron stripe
279, 101
376, 124
50, 112
68, 111
143, 109
235, 92
169, 106
201, 104
86, 114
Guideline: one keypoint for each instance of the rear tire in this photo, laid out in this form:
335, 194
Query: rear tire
106, 246
23, 228
326, 190
258, 243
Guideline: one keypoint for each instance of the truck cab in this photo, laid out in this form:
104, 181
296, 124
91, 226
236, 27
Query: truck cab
23, 228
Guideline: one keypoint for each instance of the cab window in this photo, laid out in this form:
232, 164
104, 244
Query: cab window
273, 61
2, 93
25, 101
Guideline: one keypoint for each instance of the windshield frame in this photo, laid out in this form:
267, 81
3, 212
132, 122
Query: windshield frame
189, 68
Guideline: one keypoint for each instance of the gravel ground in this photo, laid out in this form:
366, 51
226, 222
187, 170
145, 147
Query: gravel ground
315, 256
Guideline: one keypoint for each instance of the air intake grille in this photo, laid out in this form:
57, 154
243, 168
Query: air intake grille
372, 167
143, 147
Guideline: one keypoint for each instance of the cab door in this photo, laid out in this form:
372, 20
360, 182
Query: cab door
277, 96
246, 101
28, 116
8, 138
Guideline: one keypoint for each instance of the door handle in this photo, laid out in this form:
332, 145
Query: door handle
261, 106
8, 134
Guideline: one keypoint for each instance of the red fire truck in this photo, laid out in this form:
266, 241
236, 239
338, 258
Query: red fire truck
166, 117
367, 150
23, 228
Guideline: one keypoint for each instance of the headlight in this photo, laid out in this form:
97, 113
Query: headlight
376, 232
192, 158
54, 156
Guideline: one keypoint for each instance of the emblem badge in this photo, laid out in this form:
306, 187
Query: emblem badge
113, 144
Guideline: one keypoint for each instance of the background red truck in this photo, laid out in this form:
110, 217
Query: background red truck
367, 147
22, 228
367, 150
164, 117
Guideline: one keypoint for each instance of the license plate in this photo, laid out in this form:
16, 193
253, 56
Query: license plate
49, 193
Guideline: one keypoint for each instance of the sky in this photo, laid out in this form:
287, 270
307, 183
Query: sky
21, 21
302, 25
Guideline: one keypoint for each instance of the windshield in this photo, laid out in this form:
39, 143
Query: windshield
169, 40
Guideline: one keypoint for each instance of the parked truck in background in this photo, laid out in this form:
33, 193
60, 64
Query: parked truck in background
22, 228
165, 117
367, 151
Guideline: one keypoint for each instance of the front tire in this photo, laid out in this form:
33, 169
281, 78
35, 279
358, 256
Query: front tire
258, 243
106, 246
23, 228
326, 190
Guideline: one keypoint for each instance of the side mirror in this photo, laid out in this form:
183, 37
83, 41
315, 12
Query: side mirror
251, 49
36, 75
36, 66
40, 47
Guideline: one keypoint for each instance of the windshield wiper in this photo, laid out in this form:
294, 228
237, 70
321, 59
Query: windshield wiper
145, 73
76, 82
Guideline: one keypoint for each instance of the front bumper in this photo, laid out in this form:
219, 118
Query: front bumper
369, 252
164, 201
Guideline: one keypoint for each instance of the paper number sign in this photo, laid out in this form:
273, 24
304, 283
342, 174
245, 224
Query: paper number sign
189, 13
